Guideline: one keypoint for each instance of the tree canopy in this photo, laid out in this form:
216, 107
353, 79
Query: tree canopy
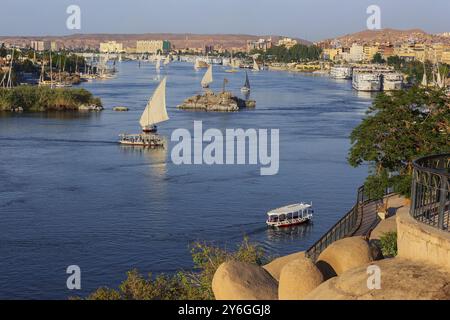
378, 58
398, 129
296, 53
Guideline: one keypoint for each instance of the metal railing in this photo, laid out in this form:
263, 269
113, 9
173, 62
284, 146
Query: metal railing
430, 191
345, 227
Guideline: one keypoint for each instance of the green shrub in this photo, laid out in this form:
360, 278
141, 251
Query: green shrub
388, 243
32, 98
184, 285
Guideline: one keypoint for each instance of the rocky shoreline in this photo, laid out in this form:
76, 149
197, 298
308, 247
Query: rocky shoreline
219, 102
352, 268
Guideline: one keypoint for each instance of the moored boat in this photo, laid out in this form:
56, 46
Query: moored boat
367, 81
290, 215
341, 72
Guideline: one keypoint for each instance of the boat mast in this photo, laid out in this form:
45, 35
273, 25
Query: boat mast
51, 70
9, 82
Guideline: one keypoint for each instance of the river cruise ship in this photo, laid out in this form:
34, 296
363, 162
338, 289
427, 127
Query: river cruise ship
290, 215
367, 81
341, 72
392, 81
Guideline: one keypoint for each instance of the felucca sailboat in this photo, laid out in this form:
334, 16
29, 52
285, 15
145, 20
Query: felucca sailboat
155, 112
246, 87
207, 78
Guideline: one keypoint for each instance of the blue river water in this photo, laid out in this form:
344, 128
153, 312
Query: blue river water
70, 195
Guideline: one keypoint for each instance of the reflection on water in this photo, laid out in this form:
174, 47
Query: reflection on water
366, 94
70, 194
289, 233
157, 156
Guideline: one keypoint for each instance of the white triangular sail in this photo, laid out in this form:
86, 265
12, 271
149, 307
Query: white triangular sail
156, 111
255, 65
197, 64
424, 79
439, 81
208, 77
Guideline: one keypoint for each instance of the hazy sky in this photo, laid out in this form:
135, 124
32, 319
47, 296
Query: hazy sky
308, 19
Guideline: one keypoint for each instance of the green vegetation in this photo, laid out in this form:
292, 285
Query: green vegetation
398, 129
184, 285
388, 243
414, 69
297, 53
32, 98
378, 58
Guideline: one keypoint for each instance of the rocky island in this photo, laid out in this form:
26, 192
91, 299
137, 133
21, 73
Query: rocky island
222, 102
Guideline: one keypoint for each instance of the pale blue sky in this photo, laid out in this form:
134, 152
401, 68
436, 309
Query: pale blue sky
309, 19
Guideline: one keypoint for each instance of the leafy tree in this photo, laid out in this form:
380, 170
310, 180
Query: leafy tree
398, 129
378, 58
296, 53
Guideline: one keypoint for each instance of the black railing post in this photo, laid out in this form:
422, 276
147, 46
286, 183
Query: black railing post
430, 191
442, 201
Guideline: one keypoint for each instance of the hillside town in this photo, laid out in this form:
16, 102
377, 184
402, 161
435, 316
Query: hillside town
374, 60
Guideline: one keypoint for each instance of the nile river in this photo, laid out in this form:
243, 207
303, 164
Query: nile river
70, 195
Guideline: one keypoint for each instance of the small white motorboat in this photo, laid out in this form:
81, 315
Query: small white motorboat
290, 215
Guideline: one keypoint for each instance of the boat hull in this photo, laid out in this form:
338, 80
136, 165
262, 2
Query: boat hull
142, 144
289, 223
141, 140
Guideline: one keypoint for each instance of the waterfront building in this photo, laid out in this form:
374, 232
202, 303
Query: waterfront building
111, 47
369, 52
386, 51
260, 44
40, 45
153, 46
405, 51
130, 50
332, 54
54, 46
209, 49
287, 42
446, 56
356, 53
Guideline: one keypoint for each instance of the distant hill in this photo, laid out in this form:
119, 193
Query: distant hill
392, 36
183, 40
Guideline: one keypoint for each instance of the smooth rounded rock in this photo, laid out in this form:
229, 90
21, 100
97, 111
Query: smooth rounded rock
399, 279
235, 280
275, 266
298, 278
344, 255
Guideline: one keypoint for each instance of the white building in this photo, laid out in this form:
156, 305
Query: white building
111, 47
40, 45
153, 46
356, 53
